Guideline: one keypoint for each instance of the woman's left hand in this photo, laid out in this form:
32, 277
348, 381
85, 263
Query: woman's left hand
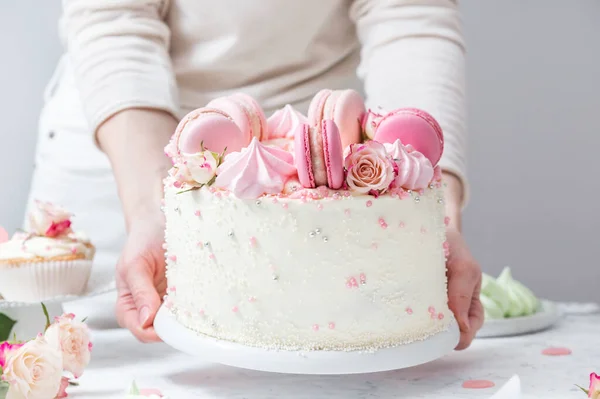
464, 273
464, 285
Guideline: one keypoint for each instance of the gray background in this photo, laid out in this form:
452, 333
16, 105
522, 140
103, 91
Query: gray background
534, 90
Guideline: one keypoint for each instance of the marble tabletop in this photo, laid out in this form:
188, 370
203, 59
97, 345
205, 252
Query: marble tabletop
118, 359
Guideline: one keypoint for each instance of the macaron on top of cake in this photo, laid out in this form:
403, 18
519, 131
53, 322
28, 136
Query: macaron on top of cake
245, 112
319, 155
345, 107
413, 127
210, 128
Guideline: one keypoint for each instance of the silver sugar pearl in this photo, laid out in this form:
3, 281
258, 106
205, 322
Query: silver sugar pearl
162, 208
409, 192
258, 202
176, 209
230, 233
325, 239
312, 234
417, 199
275, 277
432, 186
213, 324
363, 282
440, 201
206, 244
318, 231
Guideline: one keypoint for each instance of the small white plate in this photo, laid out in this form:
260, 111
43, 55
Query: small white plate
94, 288
544, 318
302, 362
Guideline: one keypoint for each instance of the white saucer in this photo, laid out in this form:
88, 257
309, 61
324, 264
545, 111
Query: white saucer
297, 362
544, 318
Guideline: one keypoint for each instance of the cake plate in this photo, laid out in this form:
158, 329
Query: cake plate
302, 362
29, 315
545, 317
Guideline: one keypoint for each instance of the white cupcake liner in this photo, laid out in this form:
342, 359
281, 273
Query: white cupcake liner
38, 281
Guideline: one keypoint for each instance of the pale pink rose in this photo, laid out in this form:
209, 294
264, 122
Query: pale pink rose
594, 389
5, 349
181, 174
62, 391
369, 169
49, 220
34, 371
72, 338
202, 166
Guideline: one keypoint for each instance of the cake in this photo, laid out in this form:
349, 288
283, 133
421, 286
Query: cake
297, 242
48, 260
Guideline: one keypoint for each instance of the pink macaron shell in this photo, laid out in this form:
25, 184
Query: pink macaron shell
413, 127
302, 156
333, 154
256, 113
347, 112
237, 112
315, 109
213, 129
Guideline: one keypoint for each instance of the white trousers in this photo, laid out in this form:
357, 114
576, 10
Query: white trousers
72, 172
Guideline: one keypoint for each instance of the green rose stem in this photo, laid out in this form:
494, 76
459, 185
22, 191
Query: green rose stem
47, 315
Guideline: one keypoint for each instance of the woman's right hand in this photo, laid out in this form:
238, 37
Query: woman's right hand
141, 280
134, 141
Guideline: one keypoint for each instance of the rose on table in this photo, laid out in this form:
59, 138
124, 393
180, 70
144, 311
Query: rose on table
36, 369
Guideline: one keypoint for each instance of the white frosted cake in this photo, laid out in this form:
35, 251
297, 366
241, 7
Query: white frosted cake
262, 253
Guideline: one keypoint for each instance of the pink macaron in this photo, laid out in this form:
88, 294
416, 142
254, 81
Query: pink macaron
415, 127
319, 155
345, 107
212, 128
245, 112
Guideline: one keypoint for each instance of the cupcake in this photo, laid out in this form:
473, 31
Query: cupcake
49, 260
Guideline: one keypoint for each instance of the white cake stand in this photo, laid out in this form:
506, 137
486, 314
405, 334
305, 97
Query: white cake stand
30, 317
302, 362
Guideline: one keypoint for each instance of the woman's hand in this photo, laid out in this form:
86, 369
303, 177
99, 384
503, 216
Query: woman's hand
141, 280
464, 273
134, 141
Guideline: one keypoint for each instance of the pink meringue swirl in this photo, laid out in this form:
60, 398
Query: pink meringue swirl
414, 170
283, 122
256, 170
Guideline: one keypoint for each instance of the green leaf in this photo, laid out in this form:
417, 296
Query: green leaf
134, 390
583, 389
3, 389
73, 383
47, 316
84, 320
6, 326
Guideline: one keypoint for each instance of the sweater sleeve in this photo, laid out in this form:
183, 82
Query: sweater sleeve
413, 56
119, 52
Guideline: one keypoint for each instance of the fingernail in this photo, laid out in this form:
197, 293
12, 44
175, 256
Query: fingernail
144, 316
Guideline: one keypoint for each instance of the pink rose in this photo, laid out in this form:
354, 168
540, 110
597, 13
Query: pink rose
62, 391
368, 168
5, 348
594, 389
181, 174
202, 166
72, 338
34, 371
49, 220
